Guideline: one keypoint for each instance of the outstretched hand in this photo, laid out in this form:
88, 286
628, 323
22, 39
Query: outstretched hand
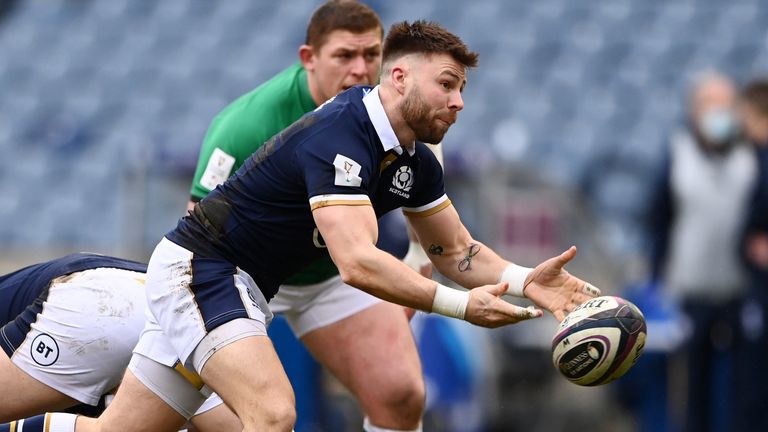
486, 308
552, 288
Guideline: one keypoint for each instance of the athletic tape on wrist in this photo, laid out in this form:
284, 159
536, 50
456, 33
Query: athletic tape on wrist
515, 275
450, 302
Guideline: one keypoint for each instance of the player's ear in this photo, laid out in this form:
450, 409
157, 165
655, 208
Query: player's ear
307, 57
398, 75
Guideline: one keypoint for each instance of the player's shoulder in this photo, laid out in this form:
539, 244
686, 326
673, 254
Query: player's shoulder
337, 127
426, 156
422, 150
285, 91
287, 87
345, 111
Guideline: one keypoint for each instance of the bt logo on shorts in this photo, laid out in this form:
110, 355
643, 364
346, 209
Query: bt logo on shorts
44, 350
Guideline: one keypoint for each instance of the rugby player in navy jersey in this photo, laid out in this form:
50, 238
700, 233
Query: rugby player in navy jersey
338, 324
317, 188
67, 330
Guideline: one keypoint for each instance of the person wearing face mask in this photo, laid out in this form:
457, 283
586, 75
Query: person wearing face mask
701, 199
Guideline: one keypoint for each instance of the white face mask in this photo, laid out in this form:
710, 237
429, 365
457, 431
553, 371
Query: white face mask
718, 126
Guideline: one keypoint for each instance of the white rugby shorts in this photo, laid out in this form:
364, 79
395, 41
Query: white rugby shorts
309, 307
189, 296
82, 338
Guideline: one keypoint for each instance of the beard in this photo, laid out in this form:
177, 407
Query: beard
419, 118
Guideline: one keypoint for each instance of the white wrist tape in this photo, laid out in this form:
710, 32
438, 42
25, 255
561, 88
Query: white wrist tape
515, 275
450, 302
416, 258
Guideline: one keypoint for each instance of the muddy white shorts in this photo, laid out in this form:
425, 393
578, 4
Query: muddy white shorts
188, 297
78, 337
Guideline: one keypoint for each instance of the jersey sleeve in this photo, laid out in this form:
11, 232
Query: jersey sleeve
430, 196
337, 170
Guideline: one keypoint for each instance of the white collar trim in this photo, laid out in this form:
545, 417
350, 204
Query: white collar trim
381, 124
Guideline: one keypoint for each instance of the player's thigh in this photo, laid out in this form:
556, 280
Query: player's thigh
23, 396
135, 408
249, 377
371, 352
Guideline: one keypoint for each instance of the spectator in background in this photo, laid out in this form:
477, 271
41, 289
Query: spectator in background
696, 217
754, 113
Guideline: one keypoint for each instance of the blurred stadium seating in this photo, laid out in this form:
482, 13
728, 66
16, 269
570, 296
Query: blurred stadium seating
103, 99
105, 103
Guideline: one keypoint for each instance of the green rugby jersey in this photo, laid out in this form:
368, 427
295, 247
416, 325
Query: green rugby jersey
242, 127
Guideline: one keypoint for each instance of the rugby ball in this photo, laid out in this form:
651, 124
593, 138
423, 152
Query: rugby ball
599, 341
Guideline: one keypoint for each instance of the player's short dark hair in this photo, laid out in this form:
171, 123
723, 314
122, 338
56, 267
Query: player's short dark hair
755, 94
349, 15
426, 38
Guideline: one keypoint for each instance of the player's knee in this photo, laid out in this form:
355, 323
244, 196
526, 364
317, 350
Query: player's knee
278, 416
406, 398
283, 416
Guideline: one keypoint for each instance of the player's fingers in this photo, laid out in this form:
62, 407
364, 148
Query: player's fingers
524, 313
559, 315
498, 289
590, 289
563, 259
579, 298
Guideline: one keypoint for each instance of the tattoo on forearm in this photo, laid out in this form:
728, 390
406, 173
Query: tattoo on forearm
435, 249
466, 263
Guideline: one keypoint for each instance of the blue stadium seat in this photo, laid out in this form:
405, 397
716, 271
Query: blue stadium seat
578, 78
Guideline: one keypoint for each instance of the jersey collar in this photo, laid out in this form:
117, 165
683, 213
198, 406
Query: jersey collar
381, 123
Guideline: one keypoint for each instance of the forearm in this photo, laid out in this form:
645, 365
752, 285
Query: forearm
471, 263
382, 275
461, 258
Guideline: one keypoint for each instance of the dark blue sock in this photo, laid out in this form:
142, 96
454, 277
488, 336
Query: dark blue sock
31, 424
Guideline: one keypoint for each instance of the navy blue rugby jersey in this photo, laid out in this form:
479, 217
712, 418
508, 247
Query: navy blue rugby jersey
343, 153
22, 288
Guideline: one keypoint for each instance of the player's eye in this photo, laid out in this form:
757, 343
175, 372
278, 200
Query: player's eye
346, 55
